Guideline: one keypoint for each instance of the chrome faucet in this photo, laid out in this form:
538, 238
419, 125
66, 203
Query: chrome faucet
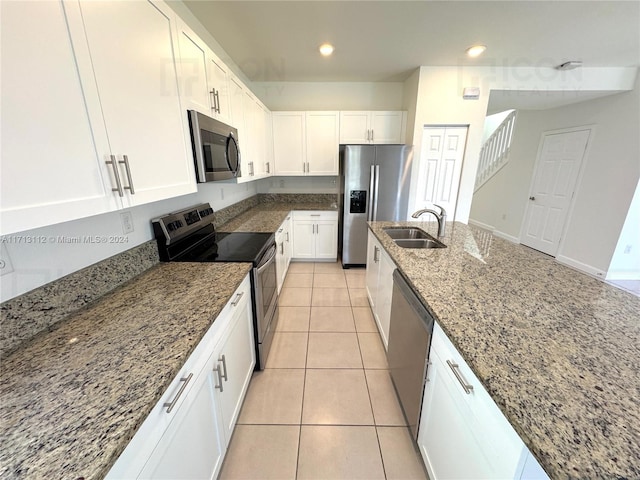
441, 217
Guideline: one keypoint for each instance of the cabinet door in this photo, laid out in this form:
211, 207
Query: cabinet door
51, 171
289, 148
322, 142
388, 127
288, 244
281, 259
259, 139
218, 84
193, 445
235, 355
138, 92
248, 144
304, 239
194, 90
373, 270
355, 127
385, 290
327, 239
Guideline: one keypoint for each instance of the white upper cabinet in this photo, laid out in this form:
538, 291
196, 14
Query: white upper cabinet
194, 88
322, 132
289, 146
218, 88
51, 169
373, 127
305, 143
125, 54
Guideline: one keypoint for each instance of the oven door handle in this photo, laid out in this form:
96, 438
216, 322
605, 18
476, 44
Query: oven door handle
270, 257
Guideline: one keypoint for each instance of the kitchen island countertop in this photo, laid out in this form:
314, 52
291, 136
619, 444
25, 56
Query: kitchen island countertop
72, 398
558, 351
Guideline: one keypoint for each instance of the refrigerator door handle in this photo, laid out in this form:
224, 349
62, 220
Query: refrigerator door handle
372, 198
375, 204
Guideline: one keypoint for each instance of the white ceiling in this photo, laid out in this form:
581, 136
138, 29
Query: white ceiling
501, 100
386, 40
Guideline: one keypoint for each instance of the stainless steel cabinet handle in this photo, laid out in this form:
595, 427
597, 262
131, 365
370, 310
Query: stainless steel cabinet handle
455, 369
213, 99
287, 234
268, 170
282, 249
219, 387
372, 138
368, 134
237, 299
169, 405
376, 251
223, 359
217, 101
315, 214
125, 162
114, 165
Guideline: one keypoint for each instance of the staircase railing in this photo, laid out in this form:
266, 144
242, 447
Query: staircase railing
495, 151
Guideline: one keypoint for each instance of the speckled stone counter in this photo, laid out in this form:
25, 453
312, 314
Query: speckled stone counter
72, 398
558, 351
267, 217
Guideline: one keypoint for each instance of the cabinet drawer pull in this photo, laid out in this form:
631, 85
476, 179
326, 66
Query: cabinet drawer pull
282, 249
114, 165
219, 386
376, 251
125, 161
268, 168
237, 299
223, 359
455, 369
185, 381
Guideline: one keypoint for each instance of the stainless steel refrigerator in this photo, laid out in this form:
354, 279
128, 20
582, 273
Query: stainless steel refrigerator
374, 183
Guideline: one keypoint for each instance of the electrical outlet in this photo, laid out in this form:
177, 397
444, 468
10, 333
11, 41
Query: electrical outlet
127, 222
5, 261
627, 249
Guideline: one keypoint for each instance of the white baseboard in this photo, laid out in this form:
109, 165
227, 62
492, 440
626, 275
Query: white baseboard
583, 267
623, 275
484, 226
506, 236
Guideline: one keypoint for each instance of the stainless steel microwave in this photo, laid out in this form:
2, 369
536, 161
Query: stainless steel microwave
215, 148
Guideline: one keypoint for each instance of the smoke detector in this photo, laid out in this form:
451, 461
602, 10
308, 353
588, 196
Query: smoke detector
570, 65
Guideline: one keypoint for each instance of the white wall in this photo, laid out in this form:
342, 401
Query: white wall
36, 264
439, 102
330, 95
625, 264
602, 199
298, 185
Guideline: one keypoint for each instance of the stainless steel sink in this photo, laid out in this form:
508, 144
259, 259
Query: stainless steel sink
419, 243
406, 233
412, 237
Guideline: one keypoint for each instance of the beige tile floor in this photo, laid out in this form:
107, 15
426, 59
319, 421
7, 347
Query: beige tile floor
324, 407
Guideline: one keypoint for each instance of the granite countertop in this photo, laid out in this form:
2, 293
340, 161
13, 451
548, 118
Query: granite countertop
72, 398
267, 217
557, 350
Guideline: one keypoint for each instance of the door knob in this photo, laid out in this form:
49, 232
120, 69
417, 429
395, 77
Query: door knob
532, 198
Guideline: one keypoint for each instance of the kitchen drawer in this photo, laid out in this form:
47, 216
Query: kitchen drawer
314, 215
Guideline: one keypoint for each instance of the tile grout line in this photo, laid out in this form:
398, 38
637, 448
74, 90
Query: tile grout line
304, 386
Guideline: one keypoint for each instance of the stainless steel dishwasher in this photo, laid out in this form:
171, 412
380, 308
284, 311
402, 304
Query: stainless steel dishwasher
408, 351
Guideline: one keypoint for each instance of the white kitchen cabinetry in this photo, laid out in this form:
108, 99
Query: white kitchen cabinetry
373, 127
379, 281
459, 420
315, 235
254, 138
306, 143
218, 88
283, 252
51, 171
188, 431
133, 97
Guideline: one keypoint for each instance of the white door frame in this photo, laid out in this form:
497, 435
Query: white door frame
581, 169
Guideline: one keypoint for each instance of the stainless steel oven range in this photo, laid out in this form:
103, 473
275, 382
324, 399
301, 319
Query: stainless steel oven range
190, 236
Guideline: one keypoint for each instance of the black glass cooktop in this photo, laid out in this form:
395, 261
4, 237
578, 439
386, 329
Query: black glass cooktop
229, 247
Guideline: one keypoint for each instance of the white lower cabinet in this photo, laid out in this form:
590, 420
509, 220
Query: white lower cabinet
379, 280
462, 432
187, 433
283, 252
315, 235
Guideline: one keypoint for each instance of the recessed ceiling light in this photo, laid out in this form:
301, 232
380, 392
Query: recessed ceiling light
326, 49
476, 50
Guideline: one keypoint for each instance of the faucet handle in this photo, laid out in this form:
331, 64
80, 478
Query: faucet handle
443, 212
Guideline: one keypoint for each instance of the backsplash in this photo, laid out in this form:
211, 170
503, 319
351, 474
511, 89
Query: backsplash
298, 197
37, 310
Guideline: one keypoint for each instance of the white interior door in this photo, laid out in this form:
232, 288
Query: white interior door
440, 167
554, 182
